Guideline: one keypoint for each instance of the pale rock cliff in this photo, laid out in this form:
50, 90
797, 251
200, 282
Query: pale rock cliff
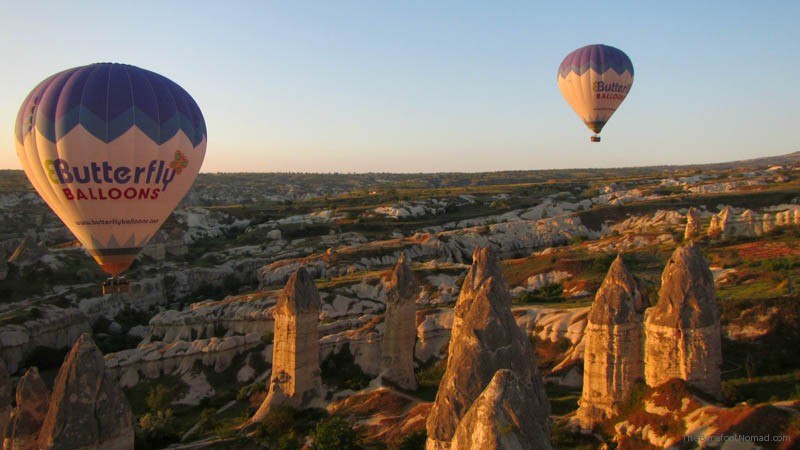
485, 338
399, 335
295, 380
612, 360
33, 400
501, 418
682, 331
88, 410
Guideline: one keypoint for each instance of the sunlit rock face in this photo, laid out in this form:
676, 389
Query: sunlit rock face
33, 400
501, 418
682, 332
295, 379
485, 339
400, 329
613, 346
693, 225
728, 224
87, 409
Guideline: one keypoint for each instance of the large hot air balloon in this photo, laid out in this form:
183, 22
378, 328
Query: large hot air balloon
112, 149
594, 80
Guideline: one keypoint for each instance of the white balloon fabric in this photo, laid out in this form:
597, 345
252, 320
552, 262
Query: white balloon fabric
594, 80
112, 149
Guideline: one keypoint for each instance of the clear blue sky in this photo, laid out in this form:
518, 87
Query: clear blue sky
431, 85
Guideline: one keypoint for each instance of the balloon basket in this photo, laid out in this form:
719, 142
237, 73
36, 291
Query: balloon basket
116, 286
595, 138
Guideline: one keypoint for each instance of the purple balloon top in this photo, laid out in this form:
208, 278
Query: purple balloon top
599, 57
108, 99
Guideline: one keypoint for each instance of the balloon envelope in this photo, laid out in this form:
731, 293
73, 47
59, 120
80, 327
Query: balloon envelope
112, 149
595, 80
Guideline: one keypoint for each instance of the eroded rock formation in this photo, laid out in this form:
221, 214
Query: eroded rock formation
400, 327
693, 226
612, 359
33, 399
244, 314
88, 410
485, 339
151, 360
454, 246
501, 418
295, 379
729, 224
27, 253
55, 328
682, 331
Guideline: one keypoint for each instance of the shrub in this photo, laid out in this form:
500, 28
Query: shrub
334, 433
279, 420
289, 441
245, 392
779, 264
284, 428
157, 429
551, 293
159, 398
339, 370
432, 375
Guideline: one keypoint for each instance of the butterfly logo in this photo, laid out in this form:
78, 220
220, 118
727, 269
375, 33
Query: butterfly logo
180, 162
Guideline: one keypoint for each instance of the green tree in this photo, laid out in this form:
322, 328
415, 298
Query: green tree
158, 398
334, 433
157, 430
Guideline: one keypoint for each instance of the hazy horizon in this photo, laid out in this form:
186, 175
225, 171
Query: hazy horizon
533, 169
432, 88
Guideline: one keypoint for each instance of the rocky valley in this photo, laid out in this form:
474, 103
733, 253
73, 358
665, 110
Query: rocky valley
636, 308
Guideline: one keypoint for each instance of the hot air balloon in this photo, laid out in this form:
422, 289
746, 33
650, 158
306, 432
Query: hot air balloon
595, 80
112, 149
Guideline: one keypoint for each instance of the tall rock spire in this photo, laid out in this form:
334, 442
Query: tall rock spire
682, 331
485, 338
693, 225
87, 409
501, 418
33, 400
612, 359
400, 327
295, 380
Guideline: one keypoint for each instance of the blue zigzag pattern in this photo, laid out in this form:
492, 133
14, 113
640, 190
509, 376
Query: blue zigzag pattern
109, 131
108, 100
598, 57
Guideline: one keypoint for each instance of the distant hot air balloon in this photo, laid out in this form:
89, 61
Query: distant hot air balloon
595, 80
112, 149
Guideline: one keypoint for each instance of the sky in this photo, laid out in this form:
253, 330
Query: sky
432, 86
